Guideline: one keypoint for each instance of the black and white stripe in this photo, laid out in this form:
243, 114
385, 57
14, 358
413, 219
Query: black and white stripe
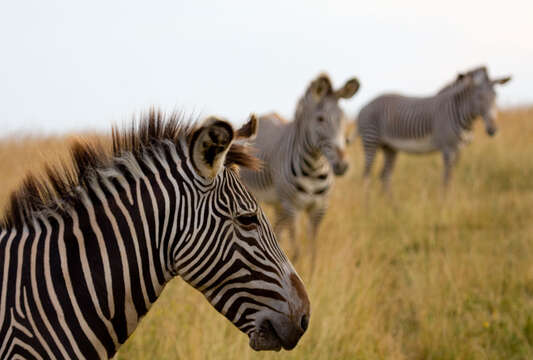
75, 279
422, 125
301, 157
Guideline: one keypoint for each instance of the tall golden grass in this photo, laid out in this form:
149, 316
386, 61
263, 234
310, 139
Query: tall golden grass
422, 277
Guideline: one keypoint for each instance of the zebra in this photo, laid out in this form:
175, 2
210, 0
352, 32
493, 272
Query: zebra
300, 157
441, 122
85, 253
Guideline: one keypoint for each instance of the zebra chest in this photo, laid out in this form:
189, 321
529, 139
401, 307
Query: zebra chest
467, 136
415, 145
311, 189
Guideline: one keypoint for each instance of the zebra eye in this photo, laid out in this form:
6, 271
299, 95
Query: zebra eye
248, 220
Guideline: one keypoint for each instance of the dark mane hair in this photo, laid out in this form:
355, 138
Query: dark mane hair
453, 85
462, 77
447, 87
57, 188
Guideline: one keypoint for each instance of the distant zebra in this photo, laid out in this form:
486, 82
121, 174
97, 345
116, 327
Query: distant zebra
84, 258
422, 125
301, 156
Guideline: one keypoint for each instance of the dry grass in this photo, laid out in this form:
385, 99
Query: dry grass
422, 278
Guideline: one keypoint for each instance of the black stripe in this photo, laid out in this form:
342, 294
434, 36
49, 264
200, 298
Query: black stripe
80, 292
128, 241
300, 188
321, 191
119, 319
42, 295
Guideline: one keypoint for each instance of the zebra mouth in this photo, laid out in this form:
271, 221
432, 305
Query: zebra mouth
340, 168
265, 338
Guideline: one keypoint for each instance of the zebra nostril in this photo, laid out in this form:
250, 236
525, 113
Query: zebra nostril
304, 322
340, 168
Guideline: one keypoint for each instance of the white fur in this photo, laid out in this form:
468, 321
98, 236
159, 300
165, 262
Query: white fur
419, 145
494, 111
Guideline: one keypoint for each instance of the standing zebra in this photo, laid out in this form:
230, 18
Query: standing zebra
84, 258
422, 125
301, 156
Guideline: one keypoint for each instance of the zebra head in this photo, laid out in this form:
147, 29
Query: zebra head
233, 257
323, 122
483, 96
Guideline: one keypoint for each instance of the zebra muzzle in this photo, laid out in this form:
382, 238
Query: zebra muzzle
265, 338
276, 332
340, 168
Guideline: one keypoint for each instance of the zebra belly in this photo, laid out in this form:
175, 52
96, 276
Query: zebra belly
417, 146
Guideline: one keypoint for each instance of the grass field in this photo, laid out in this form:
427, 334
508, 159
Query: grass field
425, 277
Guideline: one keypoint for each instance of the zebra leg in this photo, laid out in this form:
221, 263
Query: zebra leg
449, 158
316, 214
388, 166
456, 158
370, 148
286, 218
370, 153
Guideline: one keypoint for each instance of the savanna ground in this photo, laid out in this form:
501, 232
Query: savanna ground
425, 278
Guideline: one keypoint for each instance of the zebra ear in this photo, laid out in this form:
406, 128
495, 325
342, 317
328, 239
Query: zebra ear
468, 79
348, 90
320, 87
501, 81
249, 130
209, 146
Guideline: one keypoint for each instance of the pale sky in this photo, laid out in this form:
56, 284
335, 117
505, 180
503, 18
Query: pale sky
84, 65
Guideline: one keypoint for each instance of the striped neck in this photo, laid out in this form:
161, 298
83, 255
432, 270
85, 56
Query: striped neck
304, 152
100, 264
305, 159
464, 112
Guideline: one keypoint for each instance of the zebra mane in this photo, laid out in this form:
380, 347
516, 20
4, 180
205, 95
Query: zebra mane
457, 85
459, 82
448, 86
58, 187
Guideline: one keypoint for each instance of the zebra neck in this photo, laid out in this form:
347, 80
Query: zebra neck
94, 268
306, 159
307, 164
464, 113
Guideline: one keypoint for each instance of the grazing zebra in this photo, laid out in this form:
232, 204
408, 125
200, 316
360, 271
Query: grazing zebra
83, 258
301, 156
422, 125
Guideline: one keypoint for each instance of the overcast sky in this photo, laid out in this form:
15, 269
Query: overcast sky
75, 65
